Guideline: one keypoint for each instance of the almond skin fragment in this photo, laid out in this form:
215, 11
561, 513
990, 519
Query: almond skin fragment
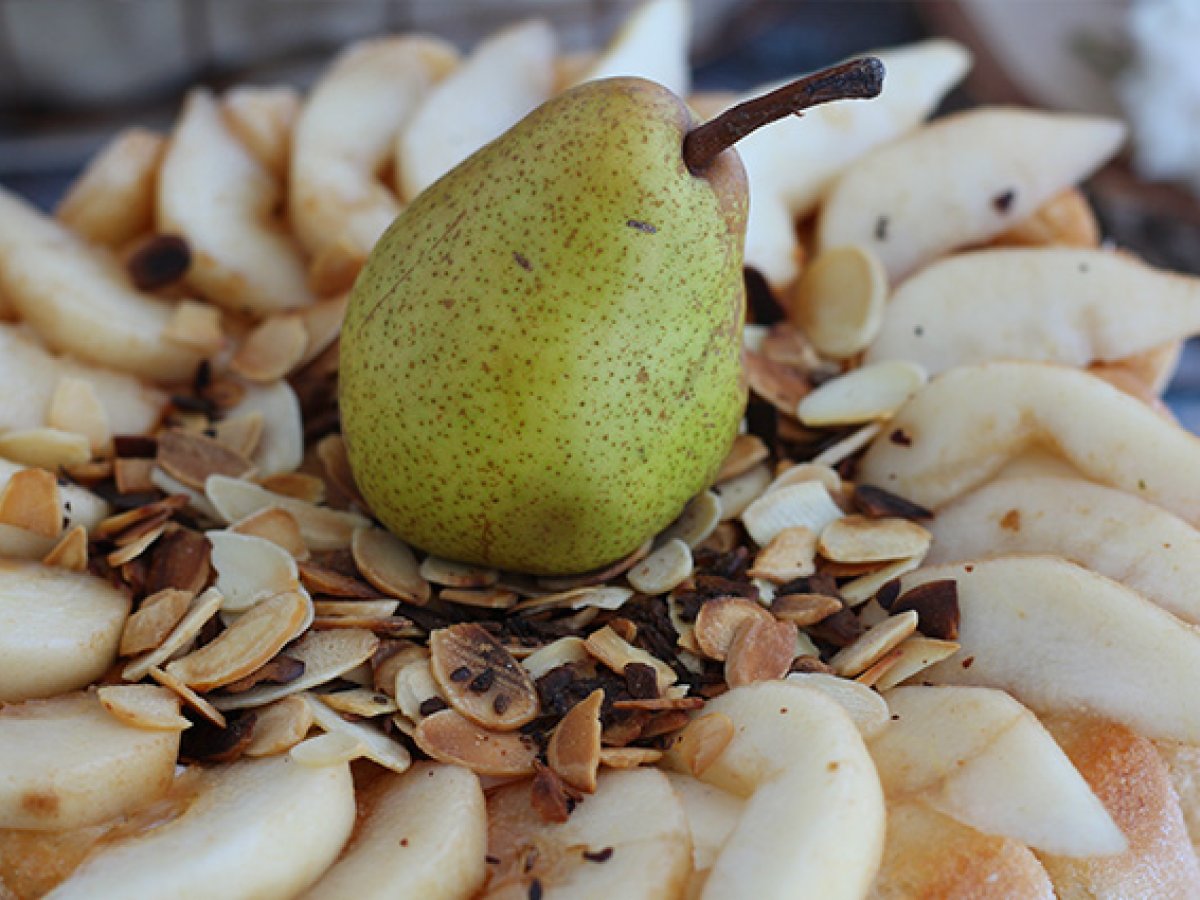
574, 749
480, 678
762, 650
192, 458
451, 738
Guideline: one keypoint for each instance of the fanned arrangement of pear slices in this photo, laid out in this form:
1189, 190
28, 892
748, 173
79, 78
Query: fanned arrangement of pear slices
927, 630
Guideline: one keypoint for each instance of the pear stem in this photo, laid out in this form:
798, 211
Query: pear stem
858, 79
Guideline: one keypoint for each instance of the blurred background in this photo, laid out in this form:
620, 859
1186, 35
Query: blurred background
73, 71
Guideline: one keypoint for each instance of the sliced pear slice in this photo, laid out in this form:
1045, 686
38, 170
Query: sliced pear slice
652, 44
59, 630
506, 77
79, 301
1108, 531
1052, 304
422, 835
256, 828
979, 756
66, 762
962, 180
1060, 638
965, 424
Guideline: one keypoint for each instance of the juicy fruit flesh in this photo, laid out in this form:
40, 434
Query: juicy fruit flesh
540, 362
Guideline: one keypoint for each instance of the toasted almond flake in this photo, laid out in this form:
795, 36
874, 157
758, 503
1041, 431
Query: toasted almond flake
781, 385
860, 590
71, 552
866, 394
723, 539
664, 569
387, 626
451, 738
596, 577
608, 647
879, 668
876, 503
574, 748
276, 525
331, 450
480, 678
559, 653
195, 326
859, 539
702, 742
91, 473
809, 472
125, 528
848, 569
606, 598
75, 406
804, 609
322, 580
738, 493
360, 608
628, 757
281, 446
154, 620
335, 266
845, 448
873, 644
790, 554
279, 726
271, 350
492, 598
359, 702
250, 568
322, 528
329, 749
180, 560
806, 504
297, 485
376, 746
761, 650
30, 502
244, 646
143, 706
280, 669
914, 655
685, 629
174, 487
719, 619
323, 323
46, 448
188, 696
131, 550
192, 458
199, 611
241, 434
455, 574
387, 563
747, 451
133, 475
661, 704
414, 686
839, 300
697, 521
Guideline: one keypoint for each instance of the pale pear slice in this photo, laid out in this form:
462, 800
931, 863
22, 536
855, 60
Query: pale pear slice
79, 505
263, 118
927, 854
633, 812
422, 835
346, 134
112, 201
59, 630
504, 78
652, 44
255, 828
1061, 638
1130, 778
215, 194
1052, 304
1108, 531
281, 445
814, 812
792, 164
322, 528
79, 301
961, 180
981, 757
66, 762
965, 424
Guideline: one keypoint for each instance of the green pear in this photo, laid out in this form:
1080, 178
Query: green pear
540, 363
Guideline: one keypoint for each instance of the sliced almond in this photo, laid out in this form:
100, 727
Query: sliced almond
250, 568
878, 669
323, 322
873, 644
376, 746
747, 451
168, 484
719, 619
791, 554
277, 526
180, 561
664, 569
329, 749
46, 448
323, 528
188, 696
781, 385
71, 552
241, 434
133, 475
30, 502
660, 704
761, 650
196, 326
596, 577
455, 574
608, 647
697, 521
863, 395
628, 757
839, 300
492, 598
574, 748
192, 458
385, 626
271, 350
807, 504
860, 590
279, 726
143, 706
356, 608
133, 545
736, 494
153, 622
480, 678
809, 472
804, 609
387, 563
414, 687
331, 450
75, 406
859, 539
838, 453
246, 645
322, 580
451, 738
595, 597
559, 653
724, 538
699, 744
297, 485
200, 610
359, 702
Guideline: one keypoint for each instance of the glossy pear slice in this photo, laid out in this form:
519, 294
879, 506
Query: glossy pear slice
257, 828
422, 835
979, 756
1060, 638
66, 762
506, 76
1052, 304
964, 425
652, 44
962, 180
712, 814
1121, 536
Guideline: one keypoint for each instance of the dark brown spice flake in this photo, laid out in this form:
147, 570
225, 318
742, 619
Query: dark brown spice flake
936, 605
877, 503
598, 856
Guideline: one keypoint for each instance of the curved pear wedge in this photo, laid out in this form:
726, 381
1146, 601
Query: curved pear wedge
59, 630
223, 201
66, 763
961, 180
964, 425
1108, 531
979, 756
506, 77
1060, 638
1051, 304
1131, 779
422, 835
260, 828
79, 301
652, 44
633, 812
346, 135
814, 813
712, 815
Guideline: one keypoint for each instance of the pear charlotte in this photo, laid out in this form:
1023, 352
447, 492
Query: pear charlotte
918, 621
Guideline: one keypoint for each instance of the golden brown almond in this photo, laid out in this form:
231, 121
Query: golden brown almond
574, 748
143, 706
297, 485
388, 565
376, 746
480, 678
280, 669
331, 450
322, 580
489, 598
241, 434
188, 696
873, 644
855, 539
548, 795
449, 573
271, 350
71, 552
134, 544
153, 621
276, 525
452, 738
804, 609
628, 757
132, 475
664, 569
279, 726
747, 451
191, 458
791, 554
702, 742
359, 702
781, 385
329, 749
384, 626
761, 650
878, 669
75, 406
376, 609
591, 597
1066, 219
90, 473
660, 704
719, 620
608, 647
914, 655
698, 520
30, 501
